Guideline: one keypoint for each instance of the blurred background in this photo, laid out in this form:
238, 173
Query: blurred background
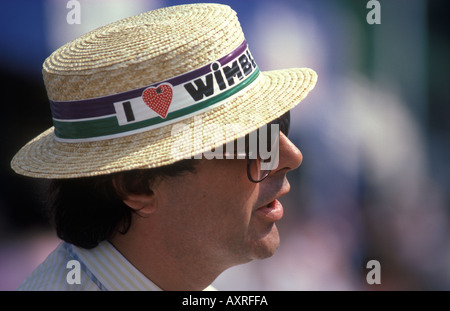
374, 133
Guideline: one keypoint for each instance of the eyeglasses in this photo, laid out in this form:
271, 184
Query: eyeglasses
256, 170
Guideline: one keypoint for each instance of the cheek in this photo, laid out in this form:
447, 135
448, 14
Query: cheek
229, 202
218, 206
211, 214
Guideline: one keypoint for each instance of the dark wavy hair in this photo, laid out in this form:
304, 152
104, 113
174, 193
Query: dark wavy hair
88, 210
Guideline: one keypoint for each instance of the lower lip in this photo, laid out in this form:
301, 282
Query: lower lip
273, 211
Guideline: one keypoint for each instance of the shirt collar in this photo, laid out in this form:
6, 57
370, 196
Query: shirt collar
112, 270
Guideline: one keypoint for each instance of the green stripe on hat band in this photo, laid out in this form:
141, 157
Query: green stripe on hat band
108, 127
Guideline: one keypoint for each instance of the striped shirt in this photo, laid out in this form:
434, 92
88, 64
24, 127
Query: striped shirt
71, 268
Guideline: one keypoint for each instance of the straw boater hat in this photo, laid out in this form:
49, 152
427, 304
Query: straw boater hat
152, 89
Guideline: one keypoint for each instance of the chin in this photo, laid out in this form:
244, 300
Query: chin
267, 245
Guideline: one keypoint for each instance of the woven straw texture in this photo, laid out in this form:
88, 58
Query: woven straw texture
139, 51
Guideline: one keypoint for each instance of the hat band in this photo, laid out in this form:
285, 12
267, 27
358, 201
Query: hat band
155, 105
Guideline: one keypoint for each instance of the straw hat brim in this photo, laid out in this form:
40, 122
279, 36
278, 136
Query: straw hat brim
273, 94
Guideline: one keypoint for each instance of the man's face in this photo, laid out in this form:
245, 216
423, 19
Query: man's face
216, 214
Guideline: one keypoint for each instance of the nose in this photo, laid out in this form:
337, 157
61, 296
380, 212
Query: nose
290, 155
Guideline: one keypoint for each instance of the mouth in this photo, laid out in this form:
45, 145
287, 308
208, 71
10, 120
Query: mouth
272, 211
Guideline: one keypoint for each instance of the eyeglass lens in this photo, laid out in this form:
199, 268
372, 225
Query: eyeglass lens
254, 171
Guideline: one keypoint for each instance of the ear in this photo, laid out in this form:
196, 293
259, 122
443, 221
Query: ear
143, 203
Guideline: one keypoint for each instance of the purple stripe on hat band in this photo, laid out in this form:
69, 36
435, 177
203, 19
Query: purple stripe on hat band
104, 106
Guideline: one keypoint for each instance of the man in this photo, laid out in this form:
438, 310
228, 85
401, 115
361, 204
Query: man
165, 155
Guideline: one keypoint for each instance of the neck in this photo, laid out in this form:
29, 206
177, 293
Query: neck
169, 267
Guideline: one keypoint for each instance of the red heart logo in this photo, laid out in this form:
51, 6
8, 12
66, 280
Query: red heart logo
158, 98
